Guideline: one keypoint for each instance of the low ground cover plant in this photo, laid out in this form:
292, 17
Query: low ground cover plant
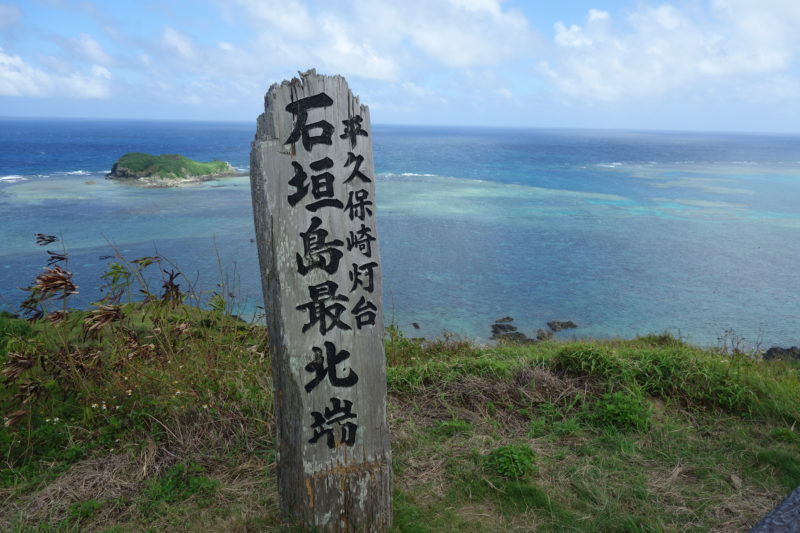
153, 410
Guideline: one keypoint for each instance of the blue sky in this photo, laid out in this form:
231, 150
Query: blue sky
718, 65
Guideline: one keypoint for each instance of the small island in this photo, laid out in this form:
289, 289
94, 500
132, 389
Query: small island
167, 170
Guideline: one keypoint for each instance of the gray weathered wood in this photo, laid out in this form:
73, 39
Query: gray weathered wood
347, 487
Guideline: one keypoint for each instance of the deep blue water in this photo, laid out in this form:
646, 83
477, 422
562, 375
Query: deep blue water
625, 233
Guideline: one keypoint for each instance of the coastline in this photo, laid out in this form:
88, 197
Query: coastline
158, 182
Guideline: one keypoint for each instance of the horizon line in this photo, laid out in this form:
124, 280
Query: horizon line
453, 126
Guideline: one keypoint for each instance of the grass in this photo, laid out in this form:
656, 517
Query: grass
167, 166
158, 416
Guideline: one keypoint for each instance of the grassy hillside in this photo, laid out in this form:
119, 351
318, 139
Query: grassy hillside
158, 416
168, 166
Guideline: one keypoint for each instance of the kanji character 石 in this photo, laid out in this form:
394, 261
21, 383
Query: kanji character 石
300, 108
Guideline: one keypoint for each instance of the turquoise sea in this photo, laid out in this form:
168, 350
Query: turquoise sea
623, 232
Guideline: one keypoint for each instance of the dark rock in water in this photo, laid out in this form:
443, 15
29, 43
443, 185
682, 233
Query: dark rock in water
497, 329
776, 352
416, 326
555, 325
514, 337
502, 331
543, 335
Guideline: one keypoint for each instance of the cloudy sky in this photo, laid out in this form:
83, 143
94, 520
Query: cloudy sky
687, 64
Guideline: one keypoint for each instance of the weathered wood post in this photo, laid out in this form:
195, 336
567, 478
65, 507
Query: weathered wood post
313, 187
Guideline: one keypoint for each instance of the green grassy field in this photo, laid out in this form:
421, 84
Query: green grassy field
158, 416
168, 166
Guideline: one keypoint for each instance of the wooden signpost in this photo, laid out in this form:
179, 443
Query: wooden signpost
313, 187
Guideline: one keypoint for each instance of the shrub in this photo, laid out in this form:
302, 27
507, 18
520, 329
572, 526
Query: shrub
168, 165
180, 483
624, 410
451, 428
786, 435
81, 511
678, 372
595, 361
661, 340
787, 465
512, 461
12, 326
567, 427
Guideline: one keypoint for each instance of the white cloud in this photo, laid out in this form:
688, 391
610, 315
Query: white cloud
467, 33
178, 43
415, 89
289, 17
18, 78
344, 51
576, 37
91, 50
666, 49
385, 39
99, 72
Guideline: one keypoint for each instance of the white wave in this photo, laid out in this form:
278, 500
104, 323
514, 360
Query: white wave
13, 178
386, 175
615, 164
78, 173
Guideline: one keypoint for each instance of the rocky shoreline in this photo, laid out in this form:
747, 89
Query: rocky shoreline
159, 182
504, 331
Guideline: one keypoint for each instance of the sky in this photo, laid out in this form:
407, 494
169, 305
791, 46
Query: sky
712, 65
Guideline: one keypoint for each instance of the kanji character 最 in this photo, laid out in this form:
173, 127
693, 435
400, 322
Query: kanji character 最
324, 308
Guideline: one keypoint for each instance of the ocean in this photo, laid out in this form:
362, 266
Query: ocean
625, 233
